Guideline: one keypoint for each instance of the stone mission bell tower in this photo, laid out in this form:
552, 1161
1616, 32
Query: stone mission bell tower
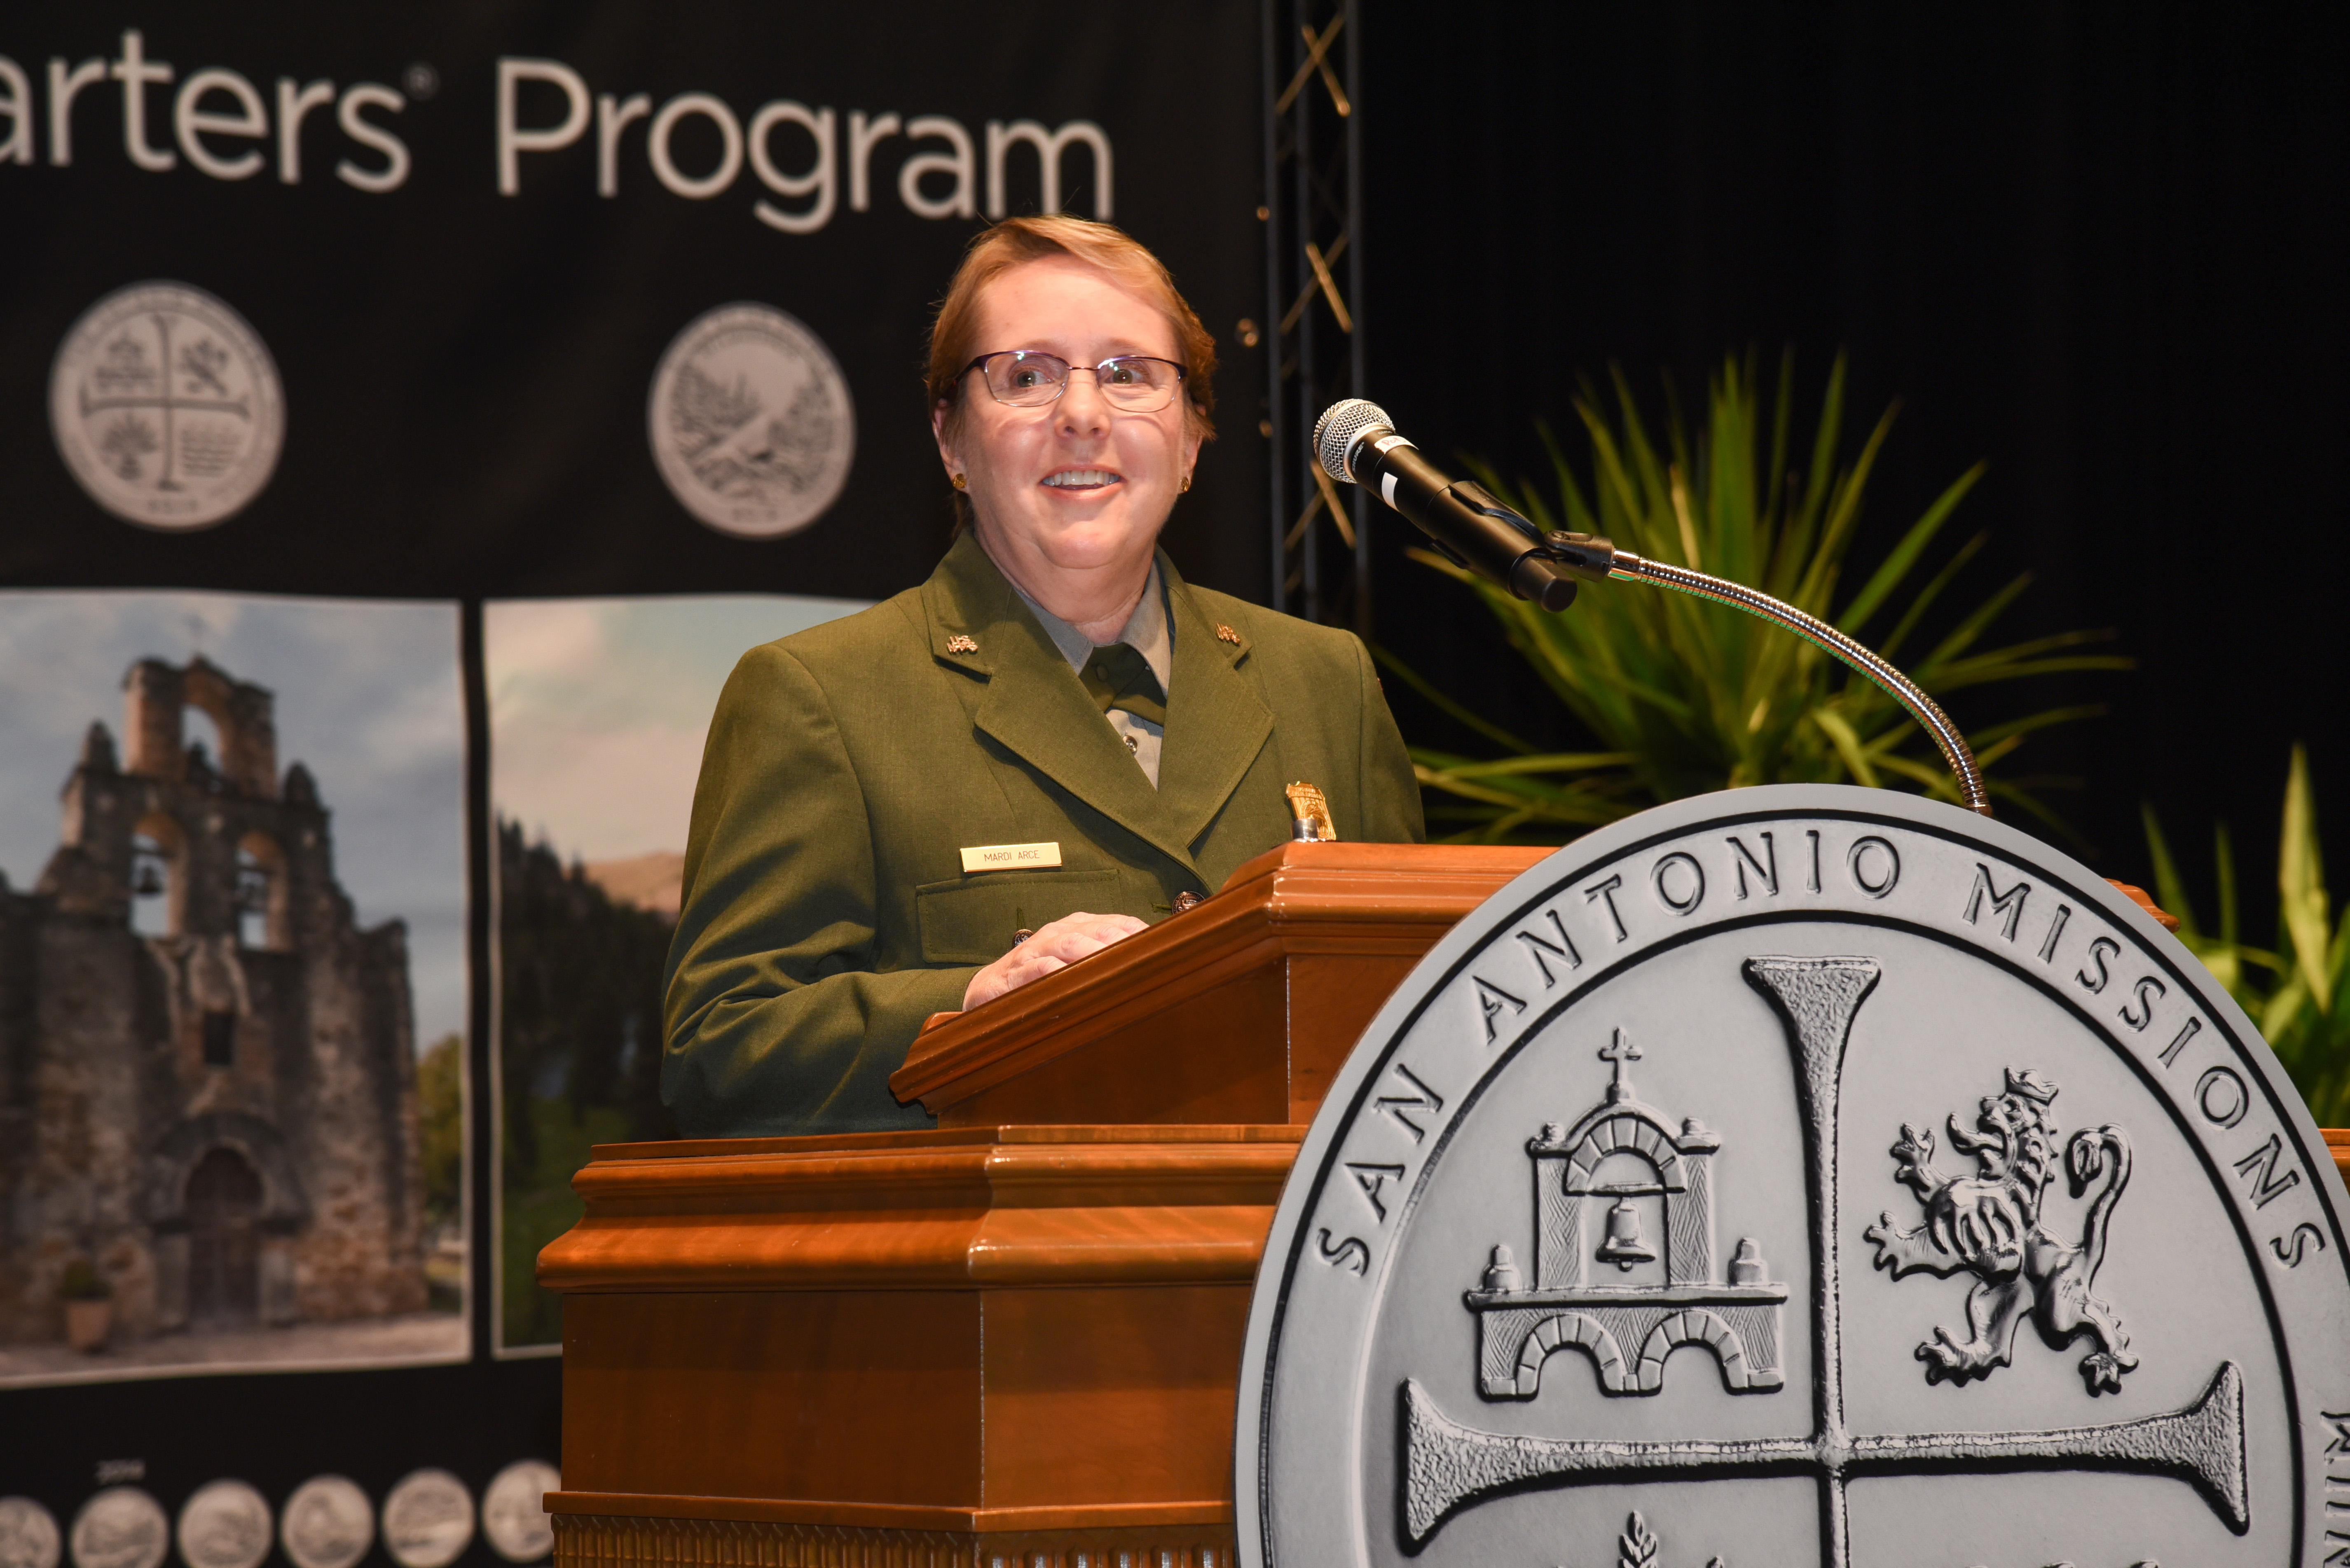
1627, 1188
207, 1073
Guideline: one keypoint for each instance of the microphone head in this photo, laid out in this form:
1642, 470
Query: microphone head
1336, 432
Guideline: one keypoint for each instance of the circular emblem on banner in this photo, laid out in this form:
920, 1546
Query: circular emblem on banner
327, 1523
121, 1527
513, 1511
1803, 1175
225, 1524
751, 421
28, 1534
167, 407
428, 1519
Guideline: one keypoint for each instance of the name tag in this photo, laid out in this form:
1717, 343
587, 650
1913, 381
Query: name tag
1011, 856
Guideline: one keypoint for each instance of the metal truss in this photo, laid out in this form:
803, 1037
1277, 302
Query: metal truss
1314, 299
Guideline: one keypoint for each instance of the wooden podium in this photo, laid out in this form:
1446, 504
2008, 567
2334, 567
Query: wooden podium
1015, 1339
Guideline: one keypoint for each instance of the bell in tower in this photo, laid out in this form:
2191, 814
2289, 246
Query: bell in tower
1624, 1246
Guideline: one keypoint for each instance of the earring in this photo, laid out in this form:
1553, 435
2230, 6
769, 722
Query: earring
957, 480
1185, 486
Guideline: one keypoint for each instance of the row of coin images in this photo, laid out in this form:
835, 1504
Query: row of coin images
327, 1522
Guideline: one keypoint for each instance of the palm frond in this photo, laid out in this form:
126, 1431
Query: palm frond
1687, 696
2295, 991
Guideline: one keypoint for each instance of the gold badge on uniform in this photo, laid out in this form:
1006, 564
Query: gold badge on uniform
959, 643
1226, 634
1310, 814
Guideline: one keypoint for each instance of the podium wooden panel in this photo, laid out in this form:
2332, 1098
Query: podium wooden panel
1013, 1340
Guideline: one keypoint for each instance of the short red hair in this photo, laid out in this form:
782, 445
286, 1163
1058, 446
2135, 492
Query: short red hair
1000, 247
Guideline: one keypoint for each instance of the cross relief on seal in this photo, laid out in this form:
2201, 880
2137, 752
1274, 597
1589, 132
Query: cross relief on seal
128, 381
1989, 1223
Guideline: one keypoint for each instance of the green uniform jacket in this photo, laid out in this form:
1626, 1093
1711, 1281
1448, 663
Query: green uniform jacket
826, 912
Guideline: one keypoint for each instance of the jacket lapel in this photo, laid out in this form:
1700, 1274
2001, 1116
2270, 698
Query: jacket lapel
1216, 724
1035, 705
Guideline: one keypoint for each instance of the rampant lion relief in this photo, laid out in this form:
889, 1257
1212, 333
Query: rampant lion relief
1989, 1223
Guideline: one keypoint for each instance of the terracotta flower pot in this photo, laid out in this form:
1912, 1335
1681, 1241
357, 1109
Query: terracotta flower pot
88, 1324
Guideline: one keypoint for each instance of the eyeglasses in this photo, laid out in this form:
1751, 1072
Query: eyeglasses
1030, 379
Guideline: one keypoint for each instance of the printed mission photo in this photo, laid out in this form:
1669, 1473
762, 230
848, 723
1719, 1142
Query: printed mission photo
597, 711
232, 984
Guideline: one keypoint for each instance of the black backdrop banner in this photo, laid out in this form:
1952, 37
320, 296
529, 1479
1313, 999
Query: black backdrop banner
469, 251
455, 304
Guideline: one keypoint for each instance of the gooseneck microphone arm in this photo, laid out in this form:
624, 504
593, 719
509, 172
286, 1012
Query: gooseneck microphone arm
1956, 752
1356, 437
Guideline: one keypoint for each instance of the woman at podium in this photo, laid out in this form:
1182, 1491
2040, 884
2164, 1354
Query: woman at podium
1037, 751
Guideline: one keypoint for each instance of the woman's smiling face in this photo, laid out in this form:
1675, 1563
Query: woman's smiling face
1077, 485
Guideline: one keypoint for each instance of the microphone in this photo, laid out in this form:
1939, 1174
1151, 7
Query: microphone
1358, 444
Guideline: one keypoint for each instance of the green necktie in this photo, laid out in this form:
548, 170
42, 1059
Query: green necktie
1118, 676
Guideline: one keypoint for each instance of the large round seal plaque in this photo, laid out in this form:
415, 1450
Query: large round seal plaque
167, 405
751, 421
1805, 1175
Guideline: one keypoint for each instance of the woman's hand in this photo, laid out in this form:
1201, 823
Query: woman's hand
1054, 946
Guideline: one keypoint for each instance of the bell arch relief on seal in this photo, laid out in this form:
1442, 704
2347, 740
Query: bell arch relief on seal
1789, 1177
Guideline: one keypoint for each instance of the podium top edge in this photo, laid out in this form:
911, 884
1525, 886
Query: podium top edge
952, 1137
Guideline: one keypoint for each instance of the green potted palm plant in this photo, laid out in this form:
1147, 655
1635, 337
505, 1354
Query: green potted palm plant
89, 1306
1679, 696
2297, 988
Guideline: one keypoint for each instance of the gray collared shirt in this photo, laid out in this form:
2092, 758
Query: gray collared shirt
1149, 632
